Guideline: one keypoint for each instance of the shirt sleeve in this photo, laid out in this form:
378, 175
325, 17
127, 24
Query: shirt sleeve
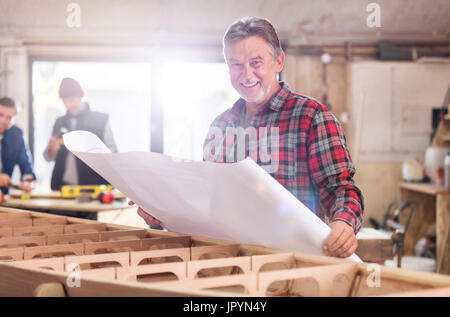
332, 171
25, 161
108, 138
45, 154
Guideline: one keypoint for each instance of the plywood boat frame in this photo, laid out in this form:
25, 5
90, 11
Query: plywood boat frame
38, 250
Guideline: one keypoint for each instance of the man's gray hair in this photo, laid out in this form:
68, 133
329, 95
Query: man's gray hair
252, 26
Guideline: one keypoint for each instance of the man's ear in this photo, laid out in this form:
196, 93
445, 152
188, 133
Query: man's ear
280, 62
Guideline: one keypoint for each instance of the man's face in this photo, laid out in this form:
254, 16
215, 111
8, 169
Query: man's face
253, 71
7, 114
74, 105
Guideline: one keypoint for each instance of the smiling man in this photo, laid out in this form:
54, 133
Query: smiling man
309, 155
253, 67
13, 148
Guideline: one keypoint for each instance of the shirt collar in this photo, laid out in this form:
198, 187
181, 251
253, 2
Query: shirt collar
275, 103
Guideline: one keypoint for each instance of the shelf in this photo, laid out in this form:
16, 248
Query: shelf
426, 188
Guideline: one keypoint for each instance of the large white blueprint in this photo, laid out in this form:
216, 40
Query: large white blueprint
237, 202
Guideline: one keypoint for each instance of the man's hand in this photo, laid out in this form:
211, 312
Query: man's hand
149, 219
27, 183
341, 242
5, 180
26, 186
53, 147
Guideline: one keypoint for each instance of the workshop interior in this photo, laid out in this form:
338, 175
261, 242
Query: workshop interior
225, 148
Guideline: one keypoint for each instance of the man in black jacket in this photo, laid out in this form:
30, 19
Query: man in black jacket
68, 169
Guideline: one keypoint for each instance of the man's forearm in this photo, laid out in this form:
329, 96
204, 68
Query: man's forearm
108, 138
47, 156
347, 205
28, 178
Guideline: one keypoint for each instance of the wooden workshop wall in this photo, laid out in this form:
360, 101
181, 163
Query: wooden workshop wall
27, 29
377, 181
303, 74
14, 61
30, 30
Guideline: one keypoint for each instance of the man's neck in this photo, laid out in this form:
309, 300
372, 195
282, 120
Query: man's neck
83, 108
254, 108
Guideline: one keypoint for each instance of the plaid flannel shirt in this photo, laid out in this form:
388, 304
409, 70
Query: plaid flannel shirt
308, 152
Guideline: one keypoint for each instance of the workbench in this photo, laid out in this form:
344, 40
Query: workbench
374, 246
39, 254
52, 202
432, 207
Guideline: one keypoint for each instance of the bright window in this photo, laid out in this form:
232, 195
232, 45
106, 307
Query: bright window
194, 94
120, 89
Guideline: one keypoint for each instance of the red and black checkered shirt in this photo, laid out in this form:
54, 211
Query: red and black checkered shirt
301, 144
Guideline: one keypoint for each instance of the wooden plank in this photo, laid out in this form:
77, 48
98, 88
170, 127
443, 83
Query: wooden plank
11, 242
49, 221
166, 242
433, 292
367, 285
38, 231
16, 222
132, 273
73, 238
17, 281
323, 276
58, 250
107, 273
230, 285
273, 262
14, 254
121, 258
14, 215
247, 281
123, 235
112, 246
424, 188
5, 232
56, 264
243, 262
393, 280
214, 251
136, 257
286, 260
85, 228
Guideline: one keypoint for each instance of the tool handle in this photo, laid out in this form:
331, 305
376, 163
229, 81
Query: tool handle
106, 198
15, 186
